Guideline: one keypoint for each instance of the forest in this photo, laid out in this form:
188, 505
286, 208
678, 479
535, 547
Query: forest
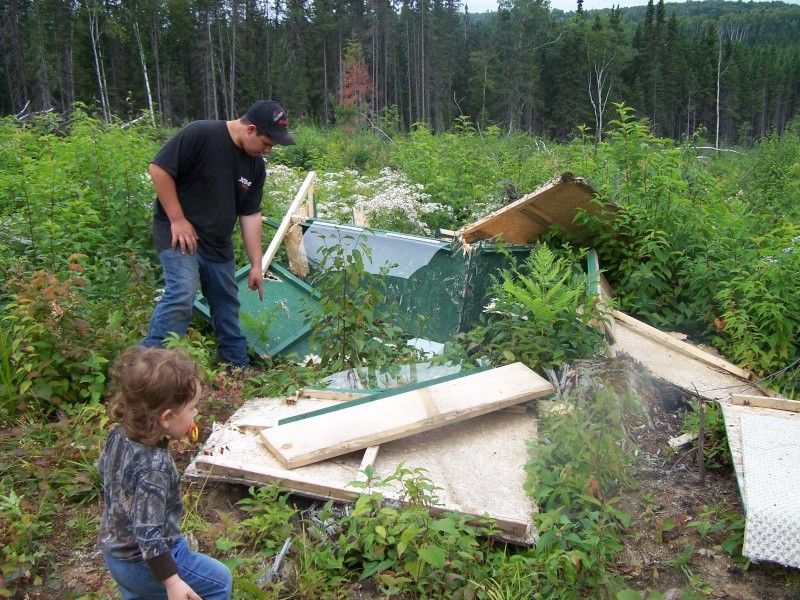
730, 70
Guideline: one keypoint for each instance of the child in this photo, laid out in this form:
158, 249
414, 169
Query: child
139, 534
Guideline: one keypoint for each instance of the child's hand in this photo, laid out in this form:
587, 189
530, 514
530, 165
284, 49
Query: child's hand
178, 589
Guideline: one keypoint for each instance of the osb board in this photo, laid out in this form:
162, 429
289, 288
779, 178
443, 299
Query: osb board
670, 364
520, 222
763, 445
386, 419
478, 463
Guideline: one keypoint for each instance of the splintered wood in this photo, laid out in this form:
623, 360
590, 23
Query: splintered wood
357, 427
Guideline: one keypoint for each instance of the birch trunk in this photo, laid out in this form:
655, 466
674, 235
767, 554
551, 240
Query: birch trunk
143, 61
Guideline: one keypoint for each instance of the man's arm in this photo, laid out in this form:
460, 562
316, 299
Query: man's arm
251, 234
183, 233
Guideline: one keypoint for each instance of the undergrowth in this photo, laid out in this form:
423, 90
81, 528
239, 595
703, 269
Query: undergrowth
708, 246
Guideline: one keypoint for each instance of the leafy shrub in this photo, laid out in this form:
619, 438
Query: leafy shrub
576, 474
541, 314
407, 548
354, 326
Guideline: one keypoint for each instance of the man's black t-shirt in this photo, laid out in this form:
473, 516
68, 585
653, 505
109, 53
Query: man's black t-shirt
216, 181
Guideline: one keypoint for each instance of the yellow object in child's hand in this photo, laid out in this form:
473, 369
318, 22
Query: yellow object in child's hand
194, 432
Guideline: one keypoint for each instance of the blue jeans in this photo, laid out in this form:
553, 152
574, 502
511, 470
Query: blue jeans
205, 575
183, 273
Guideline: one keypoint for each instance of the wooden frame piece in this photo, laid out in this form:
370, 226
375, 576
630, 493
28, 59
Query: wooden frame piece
521, 222
766, 402
306, 193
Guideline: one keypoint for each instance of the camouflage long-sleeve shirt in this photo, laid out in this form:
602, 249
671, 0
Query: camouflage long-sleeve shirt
142, 503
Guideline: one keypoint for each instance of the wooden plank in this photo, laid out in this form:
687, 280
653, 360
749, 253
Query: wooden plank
370, 456
360, 218
766, 402
332, 394
295, 252
302, 194
390, 418
682, 346
375, 395
518, 530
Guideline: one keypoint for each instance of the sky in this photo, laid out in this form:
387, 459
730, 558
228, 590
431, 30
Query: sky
477, 6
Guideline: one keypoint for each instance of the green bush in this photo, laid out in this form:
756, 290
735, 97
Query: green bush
540, 314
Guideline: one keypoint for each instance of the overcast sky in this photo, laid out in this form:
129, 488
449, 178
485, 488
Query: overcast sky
477, 6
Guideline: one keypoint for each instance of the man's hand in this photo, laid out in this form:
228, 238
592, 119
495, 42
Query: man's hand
178, 589
256, 281
184, 236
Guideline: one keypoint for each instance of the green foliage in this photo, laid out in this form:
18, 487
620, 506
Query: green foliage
716, 452
9, 377
197, 347
409, 549
689, 249
469, 172
723, 525
49, 357
576, 475
46, 468
354, 326
270, 518
23, 532
541, 314
76, 288
759, 303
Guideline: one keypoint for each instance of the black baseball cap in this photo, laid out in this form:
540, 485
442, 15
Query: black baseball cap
269, 115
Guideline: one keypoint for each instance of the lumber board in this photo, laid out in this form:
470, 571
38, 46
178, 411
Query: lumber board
521, 222
376, 395
682, 346
331, 434
332, 394
766, 402
305, 193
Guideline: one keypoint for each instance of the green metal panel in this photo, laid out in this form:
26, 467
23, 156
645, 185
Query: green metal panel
275, 325
439, 288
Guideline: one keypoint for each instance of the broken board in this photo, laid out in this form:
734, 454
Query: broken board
554, 204
477, 465
357, 427
707, 377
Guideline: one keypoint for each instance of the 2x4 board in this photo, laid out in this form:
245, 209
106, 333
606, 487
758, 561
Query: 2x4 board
385, 419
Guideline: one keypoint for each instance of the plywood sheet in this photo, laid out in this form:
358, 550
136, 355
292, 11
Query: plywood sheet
357, 427
477, 464
669, 363
520, 222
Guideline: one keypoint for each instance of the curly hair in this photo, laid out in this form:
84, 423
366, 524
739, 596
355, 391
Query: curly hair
150, 381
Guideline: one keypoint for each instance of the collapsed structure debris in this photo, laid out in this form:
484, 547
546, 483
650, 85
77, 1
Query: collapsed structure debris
482, 448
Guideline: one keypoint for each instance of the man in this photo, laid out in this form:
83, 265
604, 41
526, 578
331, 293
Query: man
207, 176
